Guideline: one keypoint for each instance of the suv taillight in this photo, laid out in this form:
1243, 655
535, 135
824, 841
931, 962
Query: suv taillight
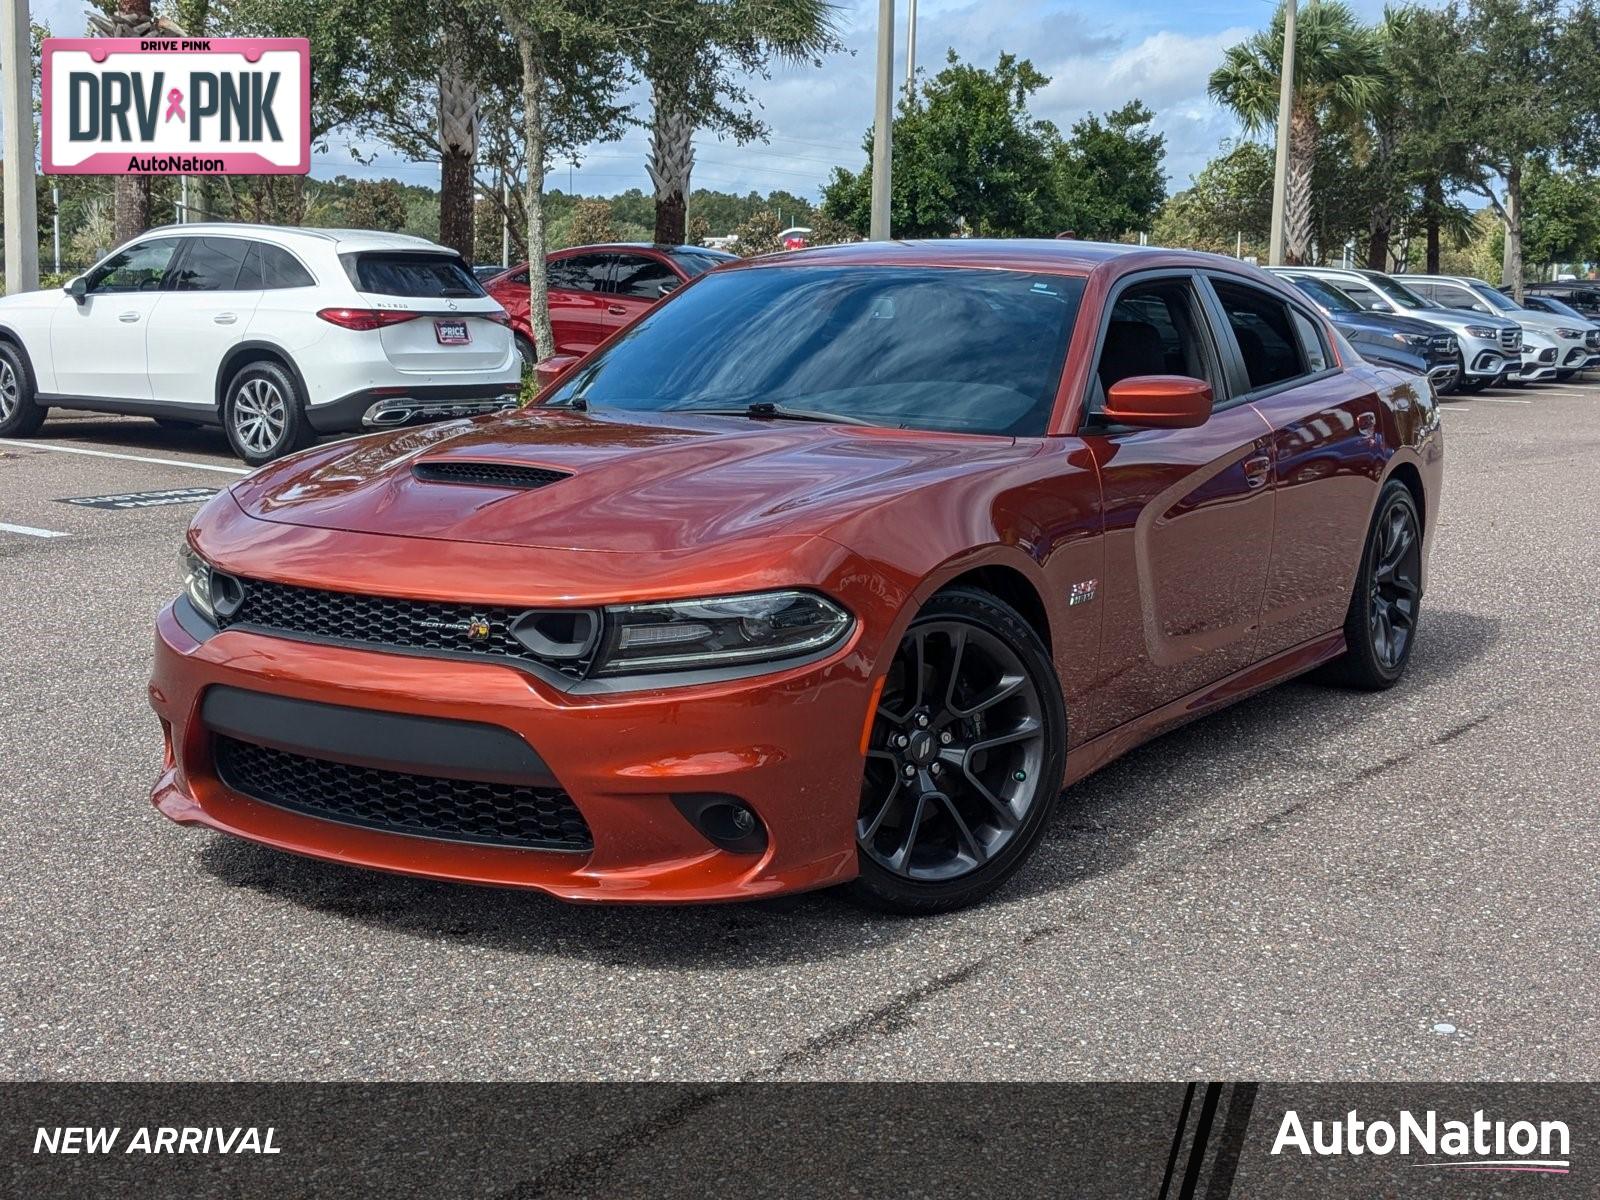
365, 318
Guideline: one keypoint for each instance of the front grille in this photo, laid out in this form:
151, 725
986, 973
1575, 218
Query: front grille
458, 810
1511, 339
480, 631
1442, 342
491, 474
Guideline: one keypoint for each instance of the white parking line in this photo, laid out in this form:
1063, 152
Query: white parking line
31, 531
1498, 400
160, 462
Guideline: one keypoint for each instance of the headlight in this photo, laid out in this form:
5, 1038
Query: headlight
685, 635
1484, 331
197, 581
1412, 339
1571, 335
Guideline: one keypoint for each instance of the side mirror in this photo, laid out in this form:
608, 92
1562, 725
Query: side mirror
1159, 402
553, 368
78, 289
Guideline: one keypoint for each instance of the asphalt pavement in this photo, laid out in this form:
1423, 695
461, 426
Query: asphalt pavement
1316, 884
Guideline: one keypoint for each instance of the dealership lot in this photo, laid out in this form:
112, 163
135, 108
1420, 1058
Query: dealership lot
1315, 884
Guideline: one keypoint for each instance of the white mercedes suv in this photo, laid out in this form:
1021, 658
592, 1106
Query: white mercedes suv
276, 334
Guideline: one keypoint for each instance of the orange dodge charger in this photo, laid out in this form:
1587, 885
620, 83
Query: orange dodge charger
834, 568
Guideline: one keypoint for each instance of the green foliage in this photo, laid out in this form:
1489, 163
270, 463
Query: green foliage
1562, 221
759, 234
969, 157
1337, 68
1230, 196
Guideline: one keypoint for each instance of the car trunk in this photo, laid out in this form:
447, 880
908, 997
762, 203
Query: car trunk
456, 327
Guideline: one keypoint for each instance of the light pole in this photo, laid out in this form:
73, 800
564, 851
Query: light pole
21, 209
1280, 168
911, 51
883, 123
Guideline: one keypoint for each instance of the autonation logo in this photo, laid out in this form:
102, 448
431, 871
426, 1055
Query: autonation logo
1476, 1145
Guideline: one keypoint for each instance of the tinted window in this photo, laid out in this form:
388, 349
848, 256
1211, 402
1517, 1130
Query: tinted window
581, 273
1493, 300
410, 273
137, 269
1402, 296
1325, 294
643, 278
1153, 330
1265, 332
906, 347
271, 267
210, 265
1448, 295
699, 261
1311, 345
1363, 295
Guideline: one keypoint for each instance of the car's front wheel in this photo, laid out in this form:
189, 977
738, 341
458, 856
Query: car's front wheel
1380, 628
965, 757
264, 415
19, 415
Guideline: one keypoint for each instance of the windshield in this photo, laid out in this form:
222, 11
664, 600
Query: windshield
1402, 296
408, 273
698, 262
1559, 308
1325, 294
963, 350
1494, 299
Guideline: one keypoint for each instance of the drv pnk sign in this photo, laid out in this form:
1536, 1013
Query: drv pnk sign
176, 106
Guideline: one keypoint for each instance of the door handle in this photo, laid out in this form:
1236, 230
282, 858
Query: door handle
128, 318
1255, 470
225, 318
1366, 423
616, 310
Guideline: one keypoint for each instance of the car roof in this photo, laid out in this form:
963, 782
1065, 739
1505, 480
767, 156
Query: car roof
1064, 256
658, 247
344, 240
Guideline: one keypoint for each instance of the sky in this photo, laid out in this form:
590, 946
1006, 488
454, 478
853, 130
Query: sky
1098, 57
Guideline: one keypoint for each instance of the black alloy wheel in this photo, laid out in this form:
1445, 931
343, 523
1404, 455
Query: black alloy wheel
1381, 627
964, 761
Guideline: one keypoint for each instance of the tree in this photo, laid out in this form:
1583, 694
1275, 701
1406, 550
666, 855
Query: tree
759, 235
1108, 175
696, 56
571, 68
1525, 87
376, 205
1561, 221
1338, 76
1227, 208
967, 155
591, 224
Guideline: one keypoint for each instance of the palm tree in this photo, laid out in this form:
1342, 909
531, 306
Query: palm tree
1338, 78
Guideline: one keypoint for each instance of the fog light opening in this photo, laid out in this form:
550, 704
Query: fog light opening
727, 822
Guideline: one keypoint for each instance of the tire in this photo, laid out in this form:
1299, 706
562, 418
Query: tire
264, 414
986, 753
19, 415
1388, 584
528, 352
175, 426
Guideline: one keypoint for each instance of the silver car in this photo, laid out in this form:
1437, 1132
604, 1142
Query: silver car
1491, 345
1574, 349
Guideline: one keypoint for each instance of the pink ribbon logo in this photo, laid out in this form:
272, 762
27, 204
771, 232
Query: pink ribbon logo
175, 105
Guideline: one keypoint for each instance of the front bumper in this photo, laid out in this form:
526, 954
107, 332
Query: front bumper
1482, 361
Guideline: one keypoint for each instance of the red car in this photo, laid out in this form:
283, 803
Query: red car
834, 568
597, 290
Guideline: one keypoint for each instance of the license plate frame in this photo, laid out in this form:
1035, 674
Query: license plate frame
452, 331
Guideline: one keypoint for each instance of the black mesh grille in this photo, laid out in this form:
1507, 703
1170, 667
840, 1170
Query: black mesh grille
492, 474
1591, 339
427, 625
460, 810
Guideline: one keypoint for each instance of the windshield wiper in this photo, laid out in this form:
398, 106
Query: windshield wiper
764, 410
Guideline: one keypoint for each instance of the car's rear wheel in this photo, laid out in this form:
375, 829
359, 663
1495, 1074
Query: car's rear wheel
964, 760
264, 415
19, 415
1380, 628
528, 353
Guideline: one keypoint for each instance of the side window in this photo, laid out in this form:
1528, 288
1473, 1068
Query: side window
1363, 295
583, 273
1311, 342
643, 278
1154, 329
1451, 296
212, 265
1265, 333
1423, 289
280, 269
521, 278
137, 269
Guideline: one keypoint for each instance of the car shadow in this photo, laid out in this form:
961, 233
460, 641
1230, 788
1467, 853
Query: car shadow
141, 435
1099, 828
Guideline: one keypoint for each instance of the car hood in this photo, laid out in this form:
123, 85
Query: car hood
1548, 323
650, 483
1460, 318
1383, 323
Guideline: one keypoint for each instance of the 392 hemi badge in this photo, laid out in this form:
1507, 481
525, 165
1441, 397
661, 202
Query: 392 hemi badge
1082, 592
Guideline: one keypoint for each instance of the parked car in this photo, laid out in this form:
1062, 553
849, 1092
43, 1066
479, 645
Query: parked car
1581, 294
1549, 304
1491, 346
1576, 344
276, 334
597, 290
1387, 339
836, 569
483, 272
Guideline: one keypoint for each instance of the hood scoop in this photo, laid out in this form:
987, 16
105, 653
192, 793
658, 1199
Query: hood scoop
486, 474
